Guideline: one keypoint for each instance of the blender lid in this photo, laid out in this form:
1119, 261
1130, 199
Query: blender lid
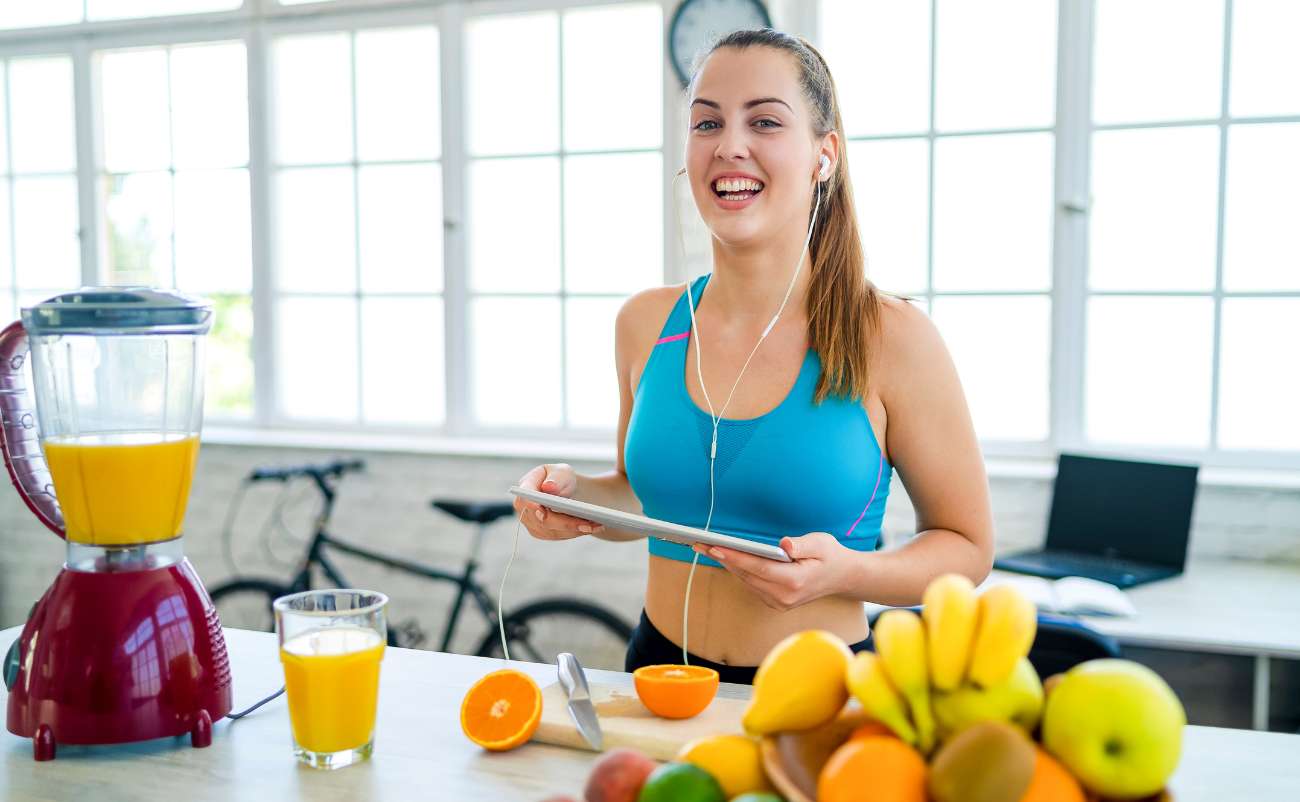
119, 310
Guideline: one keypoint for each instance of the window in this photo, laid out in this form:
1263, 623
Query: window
39, 249
565, 205
1143, 297
950, 118
357, 211
174, 192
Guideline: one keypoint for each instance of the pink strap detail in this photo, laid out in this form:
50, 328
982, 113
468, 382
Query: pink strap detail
879, 471
672, 337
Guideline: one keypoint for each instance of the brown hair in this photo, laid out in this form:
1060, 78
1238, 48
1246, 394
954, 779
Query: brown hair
843, 307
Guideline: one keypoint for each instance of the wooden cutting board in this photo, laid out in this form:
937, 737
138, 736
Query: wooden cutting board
624, 721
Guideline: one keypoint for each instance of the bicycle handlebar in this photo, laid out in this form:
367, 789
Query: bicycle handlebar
317, 471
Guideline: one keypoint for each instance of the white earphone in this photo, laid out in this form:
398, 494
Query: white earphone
823, 174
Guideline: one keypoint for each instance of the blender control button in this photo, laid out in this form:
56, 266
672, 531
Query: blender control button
11, 663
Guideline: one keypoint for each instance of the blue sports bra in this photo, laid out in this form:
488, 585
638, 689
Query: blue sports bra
800, 468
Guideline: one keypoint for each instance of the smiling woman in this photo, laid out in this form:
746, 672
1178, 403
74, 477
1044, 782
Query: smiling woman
831, 383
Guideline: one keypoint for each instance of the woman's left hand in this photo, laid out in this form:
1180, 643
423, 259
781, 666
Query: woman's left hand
819, 567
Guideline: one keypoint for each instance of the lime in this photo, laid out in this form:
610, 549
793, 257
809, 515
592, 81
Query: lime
681, 782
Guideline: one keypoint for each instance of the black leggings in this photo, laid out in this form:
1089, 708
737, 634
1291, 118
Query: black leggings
650, 647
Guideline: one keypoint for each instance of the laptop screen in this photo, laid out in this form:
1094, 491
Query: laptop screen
1118, 508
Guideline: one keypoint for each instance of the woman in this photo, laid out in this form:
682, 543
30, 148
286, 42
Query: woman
849, 384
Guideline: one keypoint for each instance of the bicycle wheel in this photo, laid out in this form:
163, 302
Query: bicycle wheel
539, 631
246, 603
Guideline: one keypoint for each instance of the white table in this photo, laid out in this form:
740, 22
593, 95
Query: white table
420, 753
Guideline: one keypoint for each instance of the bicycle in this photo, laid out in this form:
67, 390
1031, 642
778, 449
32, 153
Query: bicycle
537, 632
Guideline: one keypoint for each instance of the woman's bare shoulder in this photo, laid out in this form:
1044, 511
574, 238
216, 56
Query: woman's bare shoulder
644, 313
908, 345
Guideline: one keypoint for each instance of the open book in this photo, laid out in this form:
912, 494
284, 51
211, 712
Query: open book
1071, 595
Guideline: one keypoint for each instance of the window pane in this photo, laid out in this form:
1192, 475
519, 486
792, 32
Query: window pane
613, 246
315, 230
133, 110
1153, 217
8, 309
613, 77
499, 94
41, 116
993, 212
229, 391
1148, 371
46, 12
123, 9
1265, 59
397, 94
316, 358
996, 65
589, 369
46, 246
401, 228
209, 105
879, 53
213, 238
1261, 240
1002, 348
6, 243
4, 128
312, 99
402, 360
891, 189
138, 218
515, 372
1258, 398
514, 225
1131, 83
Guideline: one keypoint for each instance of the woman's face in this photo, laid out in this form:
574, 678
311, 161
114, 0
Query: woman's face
751, 153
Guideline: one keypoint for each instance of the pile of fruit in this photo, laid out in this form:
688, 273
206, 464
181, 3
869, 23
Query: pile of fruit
948, 709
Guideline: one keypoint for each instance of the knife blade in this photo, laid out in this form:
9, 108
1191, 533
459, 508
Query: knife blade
581, 710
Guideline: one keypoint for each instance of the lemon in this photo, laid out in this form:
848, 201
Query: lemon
800, 684
733, 760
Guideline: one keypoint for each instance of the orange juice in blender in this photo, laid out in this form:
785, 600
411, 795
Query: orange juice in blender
122, 489
332, 679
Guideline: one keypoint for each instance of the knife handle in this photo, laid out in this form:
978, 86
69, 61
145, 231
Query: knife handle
572, 676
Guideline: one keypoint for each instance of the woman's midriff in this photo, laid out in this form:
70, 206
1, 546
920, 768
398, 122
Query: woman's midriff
729, 623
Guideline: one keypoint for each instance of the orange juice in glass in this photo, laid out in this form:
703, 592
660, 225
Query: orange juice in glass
136, 483
331, 644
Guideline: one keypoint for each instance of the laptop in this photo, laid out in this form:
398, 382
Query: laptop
1117, 521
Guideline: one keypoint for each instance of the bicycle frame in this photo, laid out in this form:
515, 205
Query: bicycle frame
465, 582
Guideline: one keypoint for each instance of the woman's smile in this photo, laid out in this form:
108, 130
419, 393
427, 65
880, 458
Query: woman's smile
735, 191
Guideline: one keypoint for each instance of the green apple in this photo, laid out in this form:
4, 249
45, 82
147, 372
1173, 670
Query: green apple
1018, 700
1117, 726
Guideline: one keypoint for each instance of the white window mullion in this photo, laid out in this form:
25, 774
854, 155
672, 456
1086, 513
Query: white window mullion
451, 29
87, 163
1070, 237
1218, 240
259, 180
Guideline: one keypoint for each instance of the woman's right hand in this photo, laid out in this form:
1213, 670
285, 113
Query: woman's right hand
558, 479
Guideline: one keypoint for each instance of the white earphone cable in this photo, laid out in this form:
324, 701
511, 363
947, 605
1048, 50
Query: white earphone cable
717, 417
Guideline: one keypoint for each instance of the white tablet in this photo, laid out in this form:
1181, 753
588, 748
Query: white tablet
665, 530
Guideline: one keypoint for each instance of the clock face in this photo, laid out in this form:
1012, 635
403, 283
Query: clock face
698, 23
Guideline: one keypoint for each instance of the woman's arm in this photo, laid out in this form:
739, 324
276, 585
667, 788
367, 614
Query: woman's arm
932, 444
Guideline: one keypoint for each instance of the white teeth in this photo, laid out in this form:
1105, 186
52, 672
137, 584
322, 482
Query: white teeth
737, 185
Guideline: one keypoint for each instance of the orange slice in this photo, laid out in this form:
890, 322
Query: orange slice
502, 710
672, 691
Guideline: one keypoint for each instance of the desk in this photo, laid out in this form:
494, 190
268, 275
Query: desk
420, 753
1222, 607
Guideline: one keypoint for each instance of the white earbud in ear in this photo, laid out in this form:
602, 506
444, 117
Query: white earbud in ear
825, 171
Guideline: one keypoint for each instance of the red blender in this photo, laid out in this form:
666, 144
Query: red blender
125, 645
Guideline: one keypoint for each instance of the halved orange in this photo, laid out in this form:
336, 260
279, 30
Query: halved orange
501, 710
673, 691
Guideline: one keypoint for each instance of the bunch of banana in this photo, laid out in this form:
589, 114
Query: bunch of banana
962, 660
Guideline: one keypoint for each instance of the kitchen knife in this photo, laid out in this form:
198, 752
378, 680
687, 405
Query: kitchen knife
574, 680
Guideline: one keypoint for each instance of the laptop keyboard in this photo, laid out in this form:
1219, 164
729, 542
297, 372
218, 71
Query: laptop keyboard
1115, 570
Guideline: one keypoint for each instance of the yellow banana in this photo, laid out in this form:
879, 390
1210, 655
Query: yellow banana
1007, 624
870, 685
900, 643
950, 613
